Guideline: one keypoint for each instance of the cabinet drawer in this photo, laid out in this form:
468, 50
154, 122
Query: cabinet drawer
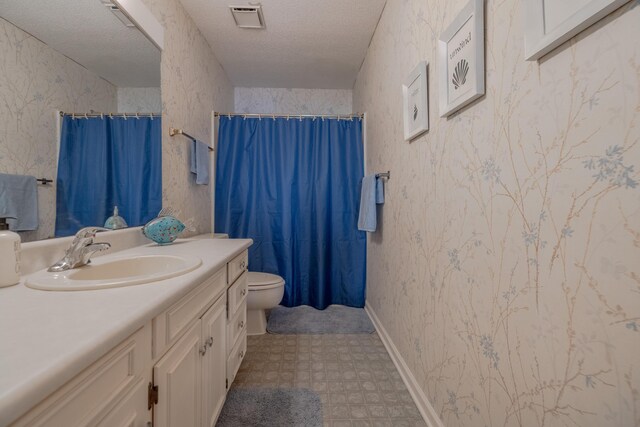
92, 394
237, 266
236, 295
173, 322
236, 357
236, 325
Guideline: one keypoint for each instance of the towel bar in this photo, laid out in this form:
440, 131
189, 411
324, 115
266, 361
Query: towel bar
174, 132
386, 174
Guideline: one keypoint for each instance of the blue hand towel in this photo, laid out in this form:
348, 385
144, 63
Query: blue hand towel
200, 162
372, 194
19, 201
379, 191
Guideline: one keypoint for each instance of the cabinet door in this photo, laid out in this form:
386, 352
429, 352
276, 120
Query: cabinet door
214, 388
178, 376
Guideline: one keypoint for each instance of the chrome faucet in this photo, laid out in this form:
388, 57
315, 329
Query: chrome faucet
80, 251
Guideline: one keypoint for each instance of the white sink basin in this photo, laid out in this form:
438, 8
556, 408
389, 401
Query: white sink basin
114, 272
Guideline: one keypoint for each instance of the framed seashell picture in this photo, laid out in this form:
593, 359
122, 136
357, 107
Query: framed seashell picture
549, 23
461, 59
415, 93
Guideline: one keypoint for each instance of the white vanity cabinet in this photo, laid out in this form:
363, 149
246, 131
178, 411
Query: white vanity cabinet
173, 372
193, 375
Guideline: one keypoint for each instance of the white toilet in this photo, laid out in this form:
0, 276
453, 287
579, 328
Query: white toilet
265, 292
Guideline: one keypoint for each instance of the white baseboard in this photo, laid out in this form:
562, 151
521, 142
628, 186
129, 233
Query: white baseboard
424, 406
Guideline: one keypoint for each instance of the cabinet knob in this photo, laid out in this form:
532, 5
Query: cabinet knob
210, 341
241, 324
203, 350
243, 264
241, 355
244, 292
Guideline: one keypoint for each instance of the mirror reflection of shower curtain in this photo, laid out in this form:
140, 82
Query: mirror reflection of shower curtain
293, 186
105, 162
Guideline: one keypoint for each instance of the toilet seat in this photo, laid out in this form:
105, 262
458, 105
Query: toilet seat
263, 281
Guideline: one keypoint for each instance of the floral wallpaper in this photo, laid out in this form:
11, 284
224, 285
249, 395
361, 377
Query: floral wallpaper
506, 266
139, 100
193, 85
35, 81
292, 101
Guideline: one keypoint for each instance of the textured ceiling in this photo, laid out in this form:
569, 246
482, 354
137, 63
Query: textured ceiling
315, 44
87, 32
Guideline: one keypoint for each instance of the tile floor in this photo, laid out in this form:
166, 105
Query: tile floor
353, 375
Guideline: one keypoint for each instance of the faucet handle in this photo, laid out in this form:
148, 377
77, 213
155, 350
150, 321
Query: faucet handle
89, 232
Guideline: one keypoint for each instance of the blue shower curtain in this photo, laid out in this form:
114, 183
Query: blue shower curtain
107, 162
293, 186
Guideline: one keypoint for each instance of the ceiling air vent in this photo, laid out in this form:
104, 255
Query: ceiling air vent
248, 16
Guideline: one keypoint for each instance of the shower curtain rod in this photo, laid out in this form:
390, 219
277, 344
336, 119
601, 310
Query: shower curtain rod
94, 114
294, 116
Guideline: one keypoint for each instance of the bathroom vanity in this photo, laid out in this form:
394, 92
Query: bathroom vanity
155, 354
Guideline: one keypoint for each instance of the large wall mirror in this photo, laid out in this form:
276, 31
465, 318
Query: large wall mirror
80, 118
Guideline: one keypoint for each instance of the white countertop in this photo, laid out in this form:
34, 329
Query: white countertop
47, 338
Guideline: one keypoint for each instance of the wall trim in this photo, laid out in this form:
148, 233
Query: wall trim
419, 397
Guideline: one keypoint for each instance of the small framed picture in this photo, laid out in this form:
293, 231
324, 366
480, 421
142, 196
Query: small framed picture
549, 23
416, 102
461, 59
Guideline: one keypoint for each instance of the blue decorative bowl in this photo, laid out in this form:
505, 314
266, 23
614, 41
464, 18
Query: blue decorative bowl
163, 230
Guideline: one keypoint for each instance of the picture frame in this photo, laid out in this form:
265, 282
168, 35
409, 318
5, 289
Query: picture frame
549, 23
461, 59
415, 92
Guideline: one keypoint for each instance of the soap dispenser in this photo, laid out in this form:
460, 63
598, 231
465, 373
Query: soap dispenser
115, 221
9, 255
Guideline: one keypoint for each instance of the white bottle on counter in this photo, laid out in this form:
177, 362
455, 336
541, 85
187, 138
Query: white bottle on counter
9, 255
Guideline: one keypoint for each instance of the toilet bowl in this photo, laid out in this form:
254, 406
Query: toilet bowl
265, 292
